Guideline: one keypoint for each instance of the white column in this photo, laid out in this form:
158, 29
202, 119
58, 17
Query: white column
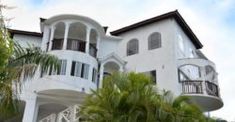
45, 38
66, 36
121, 69
101, 75
31, 110
88, 29
51, 38
97, 46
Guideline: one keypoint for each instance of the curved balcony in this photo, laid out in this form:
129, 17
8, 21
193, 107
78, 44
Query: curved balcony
63, 82
198, 78
74, 45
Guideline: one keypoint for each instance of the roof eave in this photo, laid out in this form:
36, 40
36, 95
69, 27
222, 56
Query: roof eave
174, 14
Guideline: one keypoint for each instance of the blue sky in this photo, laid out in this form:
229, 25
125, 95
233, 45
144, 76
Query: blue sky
213, 21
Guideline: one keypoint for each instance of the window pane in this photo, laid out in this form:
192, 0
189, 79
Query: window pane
191, 72
85, 71
78, 68
73, 68
154, 41
153, 75
63, 67
132, 47
94, 75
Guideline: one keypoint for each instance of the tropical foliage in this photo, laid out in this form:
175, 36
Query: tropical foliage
132, 98
18, 64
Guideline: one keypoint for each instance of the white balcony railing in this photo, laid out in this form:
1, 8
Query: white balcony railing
50, 118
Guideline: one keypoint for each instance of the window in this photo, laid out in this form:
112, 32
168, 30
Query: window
94, 75
132, 47
76, 68
85, 71
189, 72
154, 41
62, 69
153, 75
79, 69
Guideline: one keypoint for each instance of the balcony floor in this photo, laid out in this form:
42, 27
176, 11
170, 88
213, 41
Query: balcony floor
205, 103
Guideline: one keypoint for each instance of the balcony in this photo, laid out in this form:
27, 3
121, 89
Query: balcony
198, 79
73, 44
57, 44
76, 45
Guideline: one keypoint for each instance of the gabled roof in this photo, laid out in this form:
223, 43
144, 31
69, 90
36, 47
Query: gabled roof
12, 32
174, 14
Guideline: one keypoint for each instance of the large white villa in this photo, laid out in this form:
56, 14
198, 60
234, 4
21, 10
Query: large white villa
164, 47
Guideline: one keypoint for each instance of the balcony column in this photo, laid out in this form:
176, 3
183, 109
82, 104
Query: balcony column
101, 75
121, 69
66, 36
97, 45
88, 30
31, 110
51, 38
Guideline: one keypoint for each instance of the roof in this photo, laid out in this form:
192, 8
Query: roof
12, 32
104, 27
173, 14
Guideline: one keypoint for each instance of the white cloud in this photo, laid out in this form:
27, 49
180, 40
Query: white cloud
207, 20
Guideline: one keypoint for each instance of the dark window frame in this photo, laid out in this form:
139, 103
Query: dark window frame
154, 41
132, 47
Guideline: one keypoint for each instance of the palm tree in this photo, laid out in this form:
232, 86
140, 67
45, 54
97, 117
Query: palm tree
132, 98
21, 66
17, 65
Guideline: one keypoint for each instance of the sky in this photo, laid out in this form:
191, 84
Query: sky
213, 22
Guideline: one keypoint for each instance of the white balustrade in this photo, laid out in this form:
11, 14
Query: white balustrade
71, 114
50, 118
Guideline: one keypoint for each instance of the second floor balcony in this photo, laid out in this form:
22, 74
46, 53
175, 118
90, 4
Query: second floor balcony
198, 79
73, 36
75, 45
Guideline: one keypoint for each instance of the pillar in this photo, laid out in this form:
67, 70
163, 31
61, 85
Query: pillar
31, 110
101, 73
51, 38
97, 45
88, 30
66, 36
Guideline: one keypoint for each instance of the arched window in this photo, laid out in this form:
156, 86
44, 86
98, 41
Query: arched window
57, 42
132, 47
154, 41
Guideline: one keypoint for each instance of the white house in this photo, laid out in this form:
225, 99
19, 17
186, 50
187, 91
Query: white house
164, 47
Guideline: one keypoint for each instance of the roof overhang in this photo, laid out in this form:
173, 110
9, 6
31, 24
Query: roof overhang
20, 32
174, 14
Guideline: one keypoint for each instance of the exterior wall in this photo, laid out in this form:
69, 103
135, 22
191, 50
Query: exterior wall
24, 40
107, 46
163, 59
184, 46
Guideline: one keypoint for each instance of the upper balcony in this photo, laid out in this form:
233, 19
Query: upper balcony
72, 32
199, 81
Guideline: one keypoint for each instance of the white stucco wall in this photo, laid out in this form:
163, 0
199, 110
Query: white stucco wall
163, 59
107, 46
188, 49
